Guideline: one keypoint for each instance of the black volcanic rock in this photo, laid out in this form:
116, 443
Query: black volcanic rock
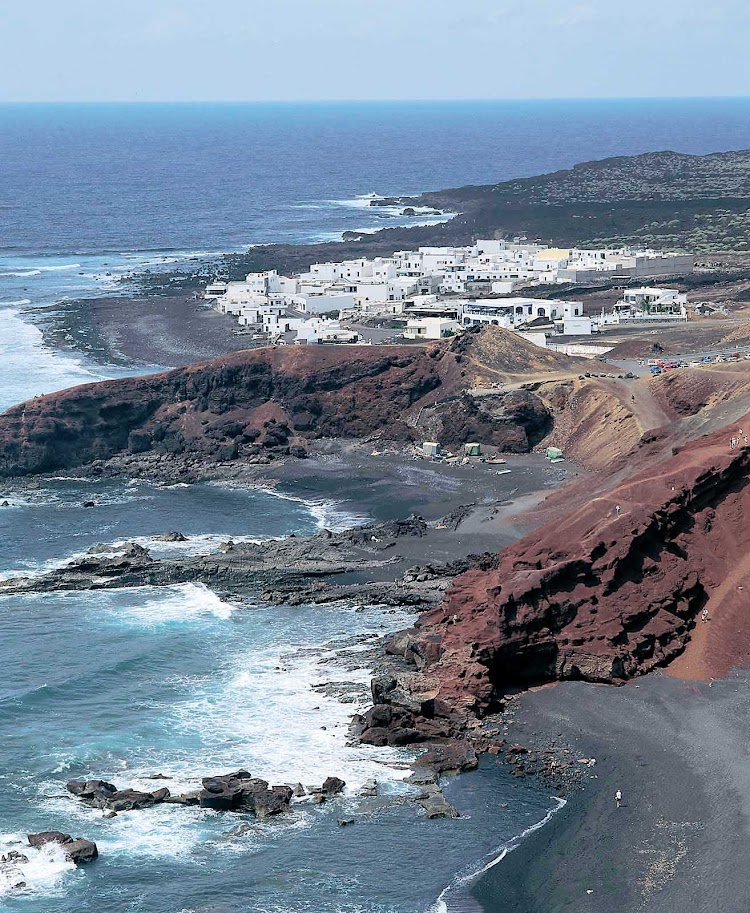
77, 849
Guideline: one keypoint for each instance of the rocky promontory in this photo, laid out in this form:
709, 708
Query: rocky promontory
613, 590
266, 403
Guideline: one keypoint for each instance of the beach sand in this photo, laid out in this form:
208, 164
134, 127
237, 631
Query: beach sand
164, 332
390, 486
679, 753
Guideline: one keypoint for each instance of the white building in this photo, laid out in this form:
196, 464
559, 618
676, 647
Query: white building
648, 304
431, 328
318, 331
384, 285
514, 312
577, 326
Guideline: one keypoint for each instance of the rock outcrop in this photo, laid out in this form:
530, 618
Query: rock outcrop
76, 849
100, 794
268, 402
607, 593
239, 791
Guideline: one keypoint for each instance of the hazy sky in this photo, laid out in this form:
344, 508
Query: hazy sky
183, 50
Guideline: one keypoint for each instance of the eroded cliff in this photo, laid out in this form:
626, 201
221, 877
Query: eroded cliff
269, 402
608, 592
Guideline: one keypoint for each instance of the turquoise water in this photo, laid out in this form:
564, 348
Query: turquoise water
177, 681
129, 683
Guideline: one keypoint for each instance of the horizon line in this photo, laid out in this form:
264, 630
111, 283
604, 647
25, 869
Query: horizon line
364, 101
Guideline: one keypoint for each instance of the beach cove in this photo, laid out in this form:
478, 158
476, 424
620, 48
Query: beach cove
182, 681
221, 714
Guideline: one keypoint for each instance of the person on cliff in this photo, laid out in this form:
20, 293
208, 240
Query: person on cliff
618, 798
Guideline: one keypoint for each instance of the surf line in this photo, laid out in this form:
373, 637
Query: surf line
441, 905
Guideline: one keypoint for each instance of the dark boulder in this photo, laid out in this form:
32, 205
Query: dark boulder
100, 794
241, 791
77, 849
13, 857
453, 757
437, 806
89, 789
125, 800
268, 802
332, 786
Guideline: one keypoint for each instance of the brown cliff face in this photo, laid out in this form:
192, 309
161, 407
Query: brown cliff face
269, 401
609, 592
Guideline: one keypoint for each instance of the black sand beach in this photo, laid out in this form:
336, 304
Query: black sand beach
157, 331
678, 751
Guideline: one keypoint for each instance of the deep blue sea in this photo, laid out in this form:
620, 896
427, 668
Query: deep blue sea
177, 681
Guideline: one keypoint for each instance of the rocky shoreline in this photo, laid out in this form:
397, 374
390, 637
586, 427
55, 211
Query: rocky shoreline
399, 562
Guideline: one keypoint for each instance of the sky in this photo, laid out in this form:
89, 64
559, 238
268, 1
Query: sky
303, 50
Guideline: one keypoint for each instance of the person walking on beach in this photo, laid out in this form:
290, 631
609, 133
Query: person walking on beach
618, 798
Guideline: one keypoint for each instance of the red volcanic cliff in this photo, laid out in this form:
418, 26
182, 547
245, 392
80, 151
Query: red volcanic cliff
269, 401
609, 592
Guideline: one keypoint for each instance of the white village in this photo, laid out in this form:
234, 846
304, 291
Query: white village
435, 292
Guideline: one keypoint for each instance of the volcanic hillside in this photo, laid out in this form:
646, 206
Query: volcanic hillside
602, 593
268, 402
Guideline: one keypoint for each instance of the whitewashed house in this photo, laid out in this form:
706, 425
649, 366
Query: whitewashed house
431, 328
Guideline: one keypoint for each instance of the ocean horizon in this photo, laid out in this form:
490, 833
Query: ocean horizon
131, 683
95, 178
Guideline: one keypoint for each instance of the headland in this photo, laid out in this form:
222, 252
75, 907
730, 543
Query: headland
539, 585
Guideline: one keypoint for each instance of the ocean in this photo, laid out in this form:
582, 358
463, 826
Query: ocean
126, 684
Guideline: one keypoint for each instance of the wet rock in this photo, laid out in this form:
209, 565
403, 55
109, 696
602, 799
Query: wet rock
241, 791
77, 849
13, 857
332, 786
422, 778
344, 822
192, 798
369, 789
453, 757
174, 536
95, 792
223, 793
437, 806
268, 802
100, 794
125, 800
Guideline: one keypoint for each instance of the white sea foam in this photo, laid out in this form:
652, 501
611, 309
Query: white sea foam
442, 905
329, 514
161, 831
184, 602
28, 367
44, 872
151, 832
264, 713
